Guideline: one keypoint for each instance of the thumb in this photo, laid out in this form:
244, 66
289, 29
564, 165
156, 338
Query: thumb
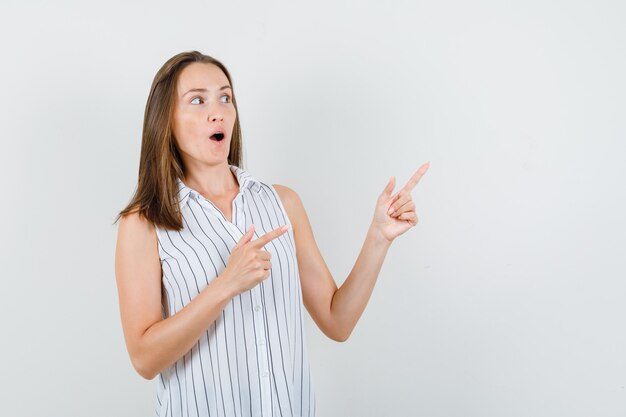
246, 237
389, 188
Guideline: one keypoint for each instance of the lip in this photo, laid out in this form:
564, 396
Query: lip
216, 130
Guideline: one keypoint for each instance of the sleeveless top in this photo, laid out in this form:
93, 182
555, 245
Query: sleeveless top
252, 360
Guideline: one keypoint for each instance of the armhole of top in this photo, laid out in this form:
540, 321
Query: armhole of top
165, 299
282, 207
158, 238
280, 203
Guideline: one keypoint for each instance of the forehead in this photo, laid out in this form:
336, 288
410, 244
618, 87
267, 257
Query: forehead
201, 75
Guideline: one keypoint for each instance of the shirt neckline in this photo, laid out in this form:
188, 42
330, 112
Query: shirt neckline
244, 178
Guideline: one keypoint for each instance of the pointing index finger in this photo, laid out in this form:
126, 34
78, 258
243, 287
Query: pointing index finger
269, 236
416, 177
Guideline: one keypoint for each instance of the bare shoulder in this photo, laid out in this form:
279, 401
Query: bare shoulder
291, 201
287, 195
136, 245
137, 262
134, 227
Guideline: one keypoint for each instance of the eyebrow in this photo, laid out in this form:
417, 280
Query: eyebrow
204, 90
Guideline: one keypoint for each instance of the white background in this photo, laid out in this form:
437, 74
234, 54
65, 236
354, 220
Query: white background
508, 297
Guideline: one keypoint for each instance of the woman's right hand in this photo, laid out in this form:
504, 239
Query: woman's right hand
249, 263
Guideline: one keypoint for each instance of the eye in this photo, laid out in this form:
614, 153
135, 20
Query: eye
228, 97
194, 99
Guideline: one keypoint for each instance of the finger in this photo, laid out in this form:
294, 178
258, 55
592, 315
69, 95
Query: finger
389, 187
266, 238
246, 237
416, 177
408, 206
398, 201
409, 216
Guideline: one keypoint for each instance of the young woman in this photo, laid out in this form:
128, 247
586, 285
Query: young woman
213, 266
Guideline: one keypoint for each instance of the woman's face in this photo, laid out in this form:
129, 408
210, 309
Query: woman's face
203, 106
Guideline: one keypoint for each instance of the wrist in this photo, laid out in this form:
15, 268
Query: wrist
223, 285
375, 234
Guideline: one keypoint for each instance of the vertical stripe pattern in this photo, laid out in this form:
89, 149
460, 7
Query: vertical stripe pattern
252, 360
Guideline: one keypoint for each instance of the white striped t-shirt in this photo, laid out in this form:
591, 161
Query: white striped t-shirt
252, 360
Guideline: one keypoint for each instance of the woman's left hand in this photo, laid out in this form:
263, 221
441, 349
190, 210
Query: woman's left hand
395, 214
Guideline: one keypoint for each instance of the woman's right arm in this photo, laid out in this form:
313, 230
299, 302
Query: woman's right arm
154, 343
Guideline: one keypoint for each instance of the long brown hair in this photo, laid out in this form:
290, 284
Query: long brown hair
160, 163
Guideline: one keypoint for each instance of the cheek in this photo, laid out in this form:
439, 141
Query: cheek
187, 124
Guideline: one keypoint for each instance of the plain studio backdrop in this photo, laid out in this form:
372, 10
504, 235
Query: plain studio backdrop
508, 297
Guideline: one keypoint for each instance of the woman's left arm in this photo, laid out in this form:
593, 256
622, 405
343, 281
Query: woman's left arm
337, 310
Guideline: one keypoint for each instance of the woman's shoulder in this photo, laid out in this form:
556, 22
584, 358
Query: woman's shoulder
137, 247
292, 203
135, 224
287, 195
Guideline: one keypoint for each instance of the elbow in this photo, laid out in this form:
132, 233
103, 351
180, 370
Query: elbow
146, 373
143, 368
339, 336
336, 330
340, 339
143, 372
143, 360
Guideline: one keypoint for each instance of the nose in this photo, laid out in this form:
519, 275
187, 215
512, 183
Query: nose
216, 116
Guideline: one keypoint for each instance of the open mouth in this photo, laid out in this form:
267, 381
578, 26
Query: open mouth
217, 136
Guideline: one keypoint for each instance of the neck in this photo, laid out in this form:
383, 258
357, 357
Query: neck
212, 180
